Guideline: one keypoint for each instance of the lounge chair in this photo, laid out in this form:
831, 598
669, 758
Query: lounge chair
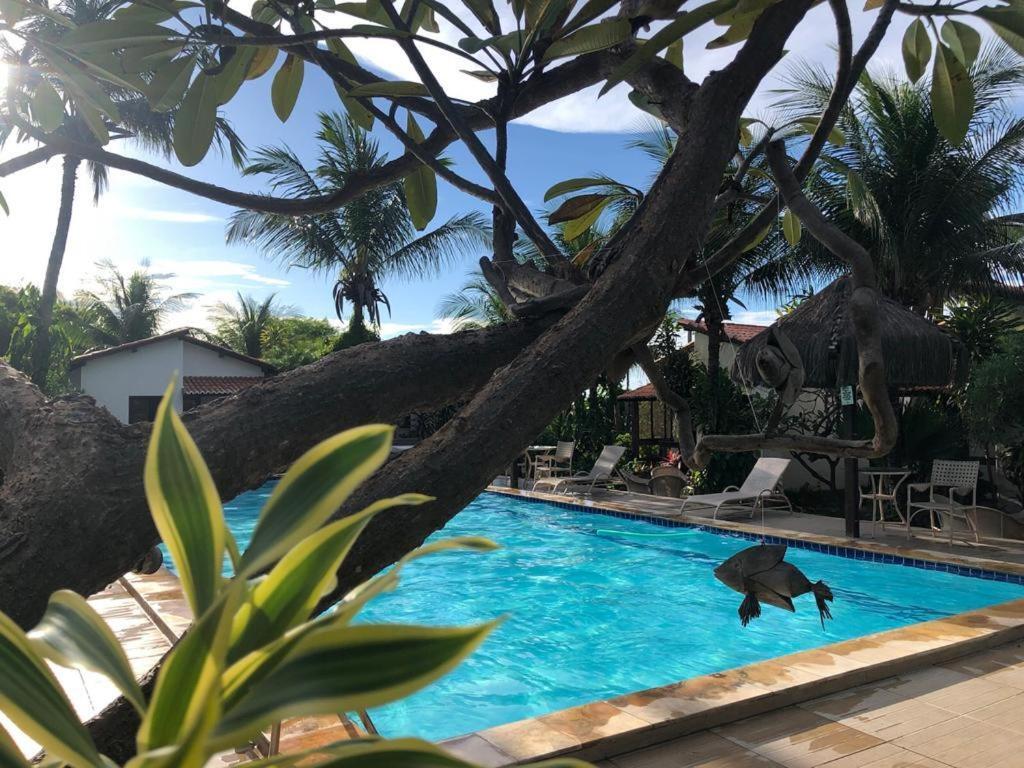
555, 464
668, 482
762, 487
600, 474
952, 499
635, 483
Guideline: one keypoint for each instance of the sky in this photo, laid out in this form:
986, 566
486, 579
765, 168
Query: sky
182, 236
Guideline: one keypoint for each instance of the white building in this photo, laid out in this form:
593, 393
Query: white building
129, 380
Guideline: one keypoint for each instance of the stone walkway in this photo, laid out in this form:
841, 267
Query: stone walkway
968, 713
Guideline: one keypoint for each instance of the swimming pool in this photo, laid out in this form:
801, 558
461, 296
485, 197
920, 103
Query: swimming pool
593, 615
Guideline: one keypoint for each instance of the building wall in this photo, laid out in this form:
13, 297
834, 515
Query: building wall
146, 371
726, 354
200, 361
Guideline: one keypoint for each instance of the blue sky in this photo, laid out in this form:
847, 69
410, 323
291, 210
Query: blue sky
184, 235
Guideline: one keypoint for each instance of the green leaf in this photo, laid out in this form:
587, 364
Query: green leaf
112, 34
47, 107
11, 11
952, 96
73, 635
347, 668
183, 499
674, 30
359, 114
230, 79
577, 227
674, 53
285, 89
290, 592
485, 14
390, 88
746, 137
871, 5
963, 40
641, 101
31, 697
917, 50
190, 676
420, 185
167, 88
572, 185
810, 124
313, 489
791, 227
596, 37
264, 58
1007, 22
589, 11
3, 204
195, 121
577, 206
93, 119
80, 85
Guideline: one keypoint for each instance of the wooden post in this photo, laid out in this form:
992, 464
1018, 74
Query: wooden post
848, 402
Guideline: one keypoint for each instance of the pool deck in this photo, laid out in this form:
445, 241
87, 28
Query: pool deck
948, 692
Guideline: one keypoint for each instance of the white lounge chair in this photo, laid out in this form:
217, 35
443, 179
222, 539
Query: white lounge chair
762, 486
601, 473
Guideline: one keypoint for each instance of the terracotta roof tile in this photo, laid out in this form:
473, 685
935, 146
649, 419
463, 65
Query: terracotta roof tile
646, 392
734, 332
216, 385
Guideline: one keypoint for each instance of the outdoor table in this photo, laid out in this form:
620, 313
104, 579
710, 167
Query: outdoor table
885, 482
528, 461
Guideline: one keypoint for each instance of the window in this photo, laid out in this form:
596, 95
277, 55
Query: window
142, 407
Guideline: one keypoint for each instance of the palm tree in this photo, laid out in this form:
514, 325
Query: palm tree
128, 308
246, 326
474, 305
145, 128
934, 216
364, 242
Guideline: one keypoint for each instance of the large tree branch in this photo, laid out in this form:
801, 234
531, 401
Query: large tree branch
848, 71
27, 160
73, 474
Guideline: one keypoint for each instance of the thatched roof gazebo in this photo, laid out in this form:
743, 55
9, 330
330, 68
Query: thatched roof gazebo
919, 355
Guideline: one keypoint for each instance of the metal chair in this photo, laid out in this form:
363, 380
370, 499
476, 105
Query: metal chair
959, 479
557, 463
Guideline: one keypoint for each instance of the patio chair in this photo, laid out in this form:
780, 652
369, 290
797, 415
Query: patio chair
555, 464
600, 474
635, 483
952, 499
763, 486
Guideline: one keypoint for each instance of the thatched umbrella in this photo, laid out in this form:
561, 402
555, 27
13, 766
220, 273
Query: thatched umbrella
919, 355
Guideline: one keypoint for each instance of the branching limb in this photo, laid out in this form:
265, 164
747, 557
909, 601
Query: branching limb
27, 160
848, 71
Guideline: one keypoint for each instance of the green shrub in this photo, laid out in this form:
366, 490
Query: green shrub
255, 654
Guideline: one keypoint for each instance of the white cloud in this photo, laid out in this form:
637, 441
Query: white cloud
156, 214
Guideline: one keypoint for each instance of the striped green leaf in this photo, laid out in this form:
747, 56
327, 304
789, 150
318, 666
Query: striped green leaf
344, 669
284, 91
10, 755
290, 592
571, 185
420, 185
313, 489
72, 634
185, 506
180, 710
31, 697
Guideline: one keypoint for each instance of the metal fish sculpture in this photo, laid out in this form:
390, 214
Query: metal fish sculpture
763, 576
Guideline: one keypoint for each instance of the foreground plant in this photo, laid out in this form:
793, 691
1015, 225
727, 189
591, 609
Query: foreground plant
254, 654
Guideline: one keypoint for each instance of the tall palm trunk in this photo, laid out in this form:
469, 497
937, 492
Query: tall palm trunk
40, 359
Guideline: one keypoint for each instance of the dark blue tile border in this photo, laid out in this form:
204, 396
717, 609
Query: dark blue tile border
850, 552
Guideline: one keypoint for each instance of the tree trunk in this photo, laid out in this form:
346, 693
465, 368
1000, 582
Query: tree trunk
40, 359
72, 473
713, 321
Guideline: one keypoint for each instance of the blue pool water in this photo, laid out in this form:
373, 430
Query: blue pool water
593, 615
